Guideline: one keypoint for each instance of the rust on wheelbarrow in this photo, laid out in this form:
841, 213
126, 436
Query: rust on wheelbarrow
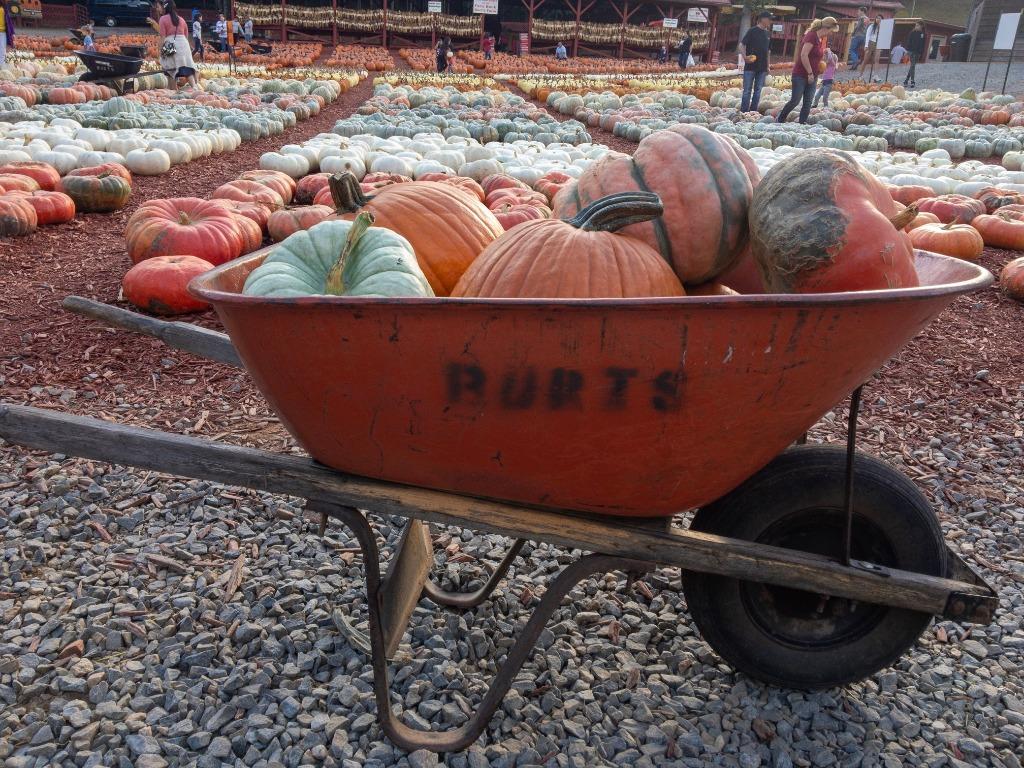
618, 407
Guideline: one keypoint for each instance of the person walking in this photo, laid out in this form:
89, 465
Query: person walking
488, 47
6, 31
685, 46
247, 30
89, 37
197, 37
221, 28
755, 48
857, 38
175, 53
443, 54
663, 54
871, 37
827, 77
560, 52
808, 64
915, 49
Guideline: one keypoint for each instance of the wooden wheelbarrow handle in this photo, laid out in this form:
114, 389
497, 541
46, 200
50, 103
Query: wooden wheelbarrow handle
185, 336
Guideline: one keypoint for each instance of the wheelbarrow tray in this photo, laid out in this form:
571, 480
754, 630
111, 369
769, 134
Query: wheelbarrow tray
626, 408
110, 64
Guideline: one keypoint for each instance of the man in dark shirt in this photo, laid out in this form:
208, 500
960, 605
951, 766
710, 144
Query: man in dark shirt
685, 46
915, 47
754, 48
857, 38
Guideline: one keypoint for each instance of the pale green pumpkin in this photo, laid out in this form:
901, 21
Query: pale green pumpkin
340, 258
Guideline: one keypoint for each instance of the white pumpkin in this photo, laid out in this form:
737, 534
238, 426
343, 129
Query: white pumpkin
295, 166
126, 144
63, 162
344, 163
391, 164
89, 159
177, 152
148, 162
96, 138
478, 170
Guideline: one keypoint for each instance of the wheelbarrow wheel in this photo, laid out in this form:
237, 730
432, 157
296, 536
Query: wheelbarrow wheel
794, 638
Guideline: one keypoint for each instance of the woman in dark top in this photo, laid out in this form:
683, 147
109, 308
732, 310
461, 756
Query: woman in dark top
442, 54
915, 47
808, 66
685, 46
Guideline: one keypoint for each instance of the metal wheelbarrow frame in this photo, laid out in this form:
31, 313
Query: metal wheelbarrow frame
631, 545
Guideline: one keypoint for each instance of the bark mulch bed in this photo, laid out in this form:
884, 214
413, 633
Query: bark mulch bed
50, 357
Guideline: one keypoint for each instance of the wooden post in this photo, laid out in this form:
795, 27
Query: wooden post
483, 18
334, 22
384, 30
531, 6
284, 28
712, 35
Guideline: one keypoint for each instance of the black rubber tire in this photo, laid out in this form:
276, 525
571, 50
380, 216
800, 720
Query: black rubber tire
774, 634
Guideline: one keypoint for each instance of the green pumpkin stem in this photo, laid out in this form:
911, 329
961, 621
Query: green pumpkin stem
346, 195
613, 212
335, 285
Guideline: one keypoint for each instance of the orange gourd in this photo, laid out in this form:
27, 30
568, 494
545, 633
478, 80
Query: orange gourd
160, 285
960, 240
1001, 230
583, 257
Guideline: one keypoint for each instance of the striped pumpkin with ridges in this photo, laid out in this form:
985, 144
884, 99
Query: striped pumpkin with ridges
705, 182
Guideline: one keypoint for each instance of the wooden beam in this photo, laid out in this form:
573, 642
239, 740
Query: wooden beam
185, 336
648, 540
334, 22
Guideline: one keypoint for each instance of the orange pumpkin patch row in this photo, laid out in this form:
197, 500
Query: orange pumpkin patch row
44, 174
50, 207
209, 229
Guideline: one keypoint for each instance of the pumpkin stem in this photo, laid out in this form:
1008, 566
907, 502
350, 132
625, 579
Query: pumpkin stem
904, 217
346, 193
335, 284
613, 212
183, 218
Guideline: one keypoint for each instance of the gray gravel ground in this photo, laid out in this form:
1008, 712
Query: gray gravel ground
952, 76
125, 652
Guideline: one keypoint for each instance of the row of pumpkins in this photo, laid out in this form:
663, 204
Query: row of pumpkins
61, 145
688, 214
484, 115
838, 125
33, 194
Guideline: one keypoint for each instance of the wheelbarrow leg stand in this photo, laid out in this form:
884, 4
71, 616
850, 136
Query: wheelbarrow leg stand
466, 600
411, 739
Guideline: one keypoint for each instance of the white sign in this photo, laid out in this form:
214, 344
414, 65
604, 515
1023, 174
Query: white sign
670, 23
485, 6
1006, 32
778, 27
885, 28
433, 6
699, 15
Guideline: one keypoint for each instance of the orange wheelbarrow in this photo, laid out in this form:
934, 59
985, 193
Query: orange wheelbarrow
588, 425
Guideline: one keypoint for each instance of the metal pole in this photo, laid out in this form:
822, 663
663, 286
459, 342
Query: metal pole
887, 65
988, 67
1009, 64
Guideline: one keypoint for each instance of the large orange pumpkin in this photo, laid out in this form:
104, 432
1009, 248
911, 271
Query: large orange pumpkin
50, 207
993, 198
960, 240
464, 183
1002, 229
96, 194
11, 182
288, 221
704, 180
1011, 279
248, 191
208, 229
308, 187
446, 227
949, 208
45, 175
583, 257
115, 169
280, 182
160, 285
820, 223
17, 217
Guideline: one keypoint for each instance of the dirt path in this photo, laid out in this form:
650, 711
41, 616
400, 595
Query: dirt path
50, 357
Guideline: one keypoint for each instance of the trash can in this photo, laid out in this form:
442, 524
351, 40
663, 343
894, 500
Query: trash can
959, 46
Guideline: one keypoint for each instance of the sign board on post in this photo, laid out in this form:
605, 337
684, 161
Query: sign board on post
778, 28
485, 6
885, 29
668, 23
1006, 32
699, 15
524, 43
433, 6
